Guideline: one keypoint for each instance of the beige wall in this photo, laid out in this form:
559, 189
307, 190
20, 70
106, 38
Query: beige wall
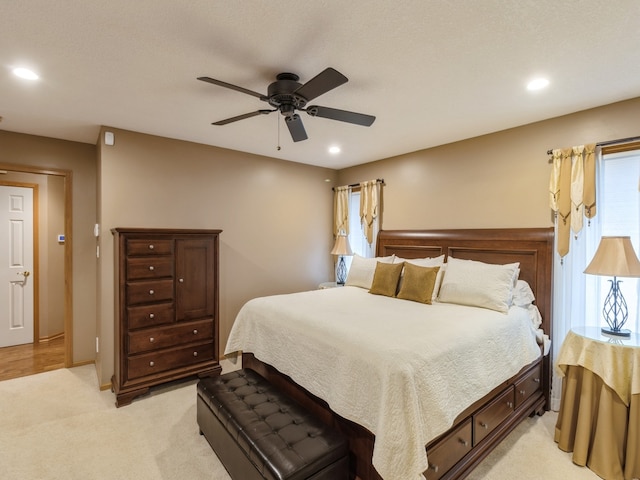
275, 217
28, 151
493, 181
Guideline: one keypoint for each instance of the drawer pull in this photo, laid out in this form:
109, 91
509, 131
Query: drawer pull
151, 268
151, 364
151, 292
151, 315
484, 425
522, 392
151, 339
510, 404
463, 442
537, 380
433, 467
195, 354
181, 280
195, 332
151, 247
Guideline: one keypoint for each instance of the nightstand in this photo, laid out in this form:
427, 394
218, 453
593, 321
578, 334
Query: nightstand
599, 417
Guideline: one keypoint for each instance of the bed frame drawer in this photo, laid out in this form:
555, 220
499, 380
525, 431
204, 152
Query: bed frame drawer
487, 419
528, 385
448, 451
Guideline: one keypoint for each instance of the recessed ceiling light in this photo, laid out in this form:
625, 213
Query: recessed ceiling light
537, 84
334, 150
26, 73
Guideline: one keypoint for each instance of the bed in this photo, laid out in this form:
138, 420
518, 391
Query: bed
371, 363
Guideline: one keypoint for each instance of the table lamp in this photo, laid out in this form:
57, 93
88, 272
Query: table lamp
341, 248
615, 258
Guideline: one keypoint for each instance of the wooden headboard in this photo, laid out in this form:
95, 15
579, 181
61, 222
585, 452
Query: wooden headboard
532, 247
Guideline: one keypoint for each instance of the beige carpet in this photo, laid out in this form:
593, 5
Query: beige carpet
58, 425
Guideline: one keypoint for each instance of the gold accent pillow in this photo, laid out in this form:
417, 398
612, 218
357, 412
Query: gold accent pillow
385, 279
418, 283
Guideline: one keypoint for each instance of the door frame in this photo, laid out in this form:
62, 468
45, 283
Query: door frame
68, 250
36, 252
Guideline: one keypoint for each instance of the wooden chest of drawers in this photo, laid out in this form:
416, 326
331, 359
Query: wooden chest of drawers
167, 301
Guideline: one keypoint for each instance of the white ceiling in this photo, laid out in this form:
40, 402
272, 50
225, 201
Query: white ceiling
431, 71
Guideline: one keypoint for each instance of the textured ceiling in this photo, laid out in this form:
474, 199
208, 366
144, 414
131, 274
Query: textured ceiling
431, 71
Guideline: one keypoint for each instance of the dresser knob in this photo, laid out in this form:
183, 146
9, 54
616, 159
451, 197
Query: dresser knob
195, 354
463, 442
151, 292
152, 339
522, 392
484, 425
195, 332
510, 404
537, 380
151, 364
181, 280
433, 467
151, 268
151, 315
151, 247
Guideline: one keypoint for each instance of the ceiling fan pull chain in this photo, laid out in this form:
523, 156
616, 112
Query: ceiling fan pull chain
278, 120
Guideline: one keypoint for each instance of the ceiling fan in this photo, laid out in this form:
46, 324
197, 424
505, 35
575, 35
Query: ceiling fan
287, 95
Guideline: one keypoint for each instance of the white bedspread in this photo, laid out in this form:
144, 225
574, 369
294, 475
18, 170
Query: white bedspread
401, 369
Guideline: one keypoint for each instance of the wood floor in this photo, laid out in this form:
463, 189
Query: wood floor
23, 360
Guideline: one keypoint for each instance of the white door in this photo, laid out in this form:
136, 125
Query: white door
16, 265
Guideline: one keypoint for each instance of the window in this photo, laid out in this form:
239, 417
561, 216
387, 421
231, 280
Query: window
357, 239
619, 212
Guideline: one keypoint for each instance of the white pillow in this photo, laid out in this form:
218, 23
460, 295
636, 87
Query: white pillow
478, 284
522, 294
362, 270
426, 262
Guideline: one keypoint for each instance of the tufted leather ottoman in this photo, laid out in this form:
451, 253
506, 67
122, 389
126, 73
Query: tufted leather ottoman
259, 433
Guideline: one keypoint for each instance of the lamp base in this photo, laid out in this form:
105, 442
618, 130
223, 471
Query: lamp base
623, 332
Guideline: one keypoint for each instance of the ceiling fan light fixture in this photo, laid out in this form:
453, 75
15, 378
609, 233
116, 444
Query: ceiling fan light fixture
287, 95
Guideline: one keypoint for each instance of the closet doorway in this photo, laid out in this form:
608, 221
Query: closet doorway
52, 343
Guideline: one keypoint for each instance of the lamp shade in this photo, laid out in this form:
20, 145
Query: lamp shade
341, 246
615, 257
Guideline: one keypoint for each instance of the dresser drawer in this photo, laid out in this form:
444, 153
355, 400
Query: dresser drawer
140, 268
141, 246
170, 336
492, 415
149, 291
528, 385
448, 451
170, 359
150, 315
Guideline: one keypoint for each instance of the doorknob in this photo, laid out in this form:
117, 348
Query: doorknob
25, 274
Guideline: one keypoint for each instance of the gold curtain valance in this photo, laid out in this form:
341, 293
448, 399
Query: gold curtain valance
572, 190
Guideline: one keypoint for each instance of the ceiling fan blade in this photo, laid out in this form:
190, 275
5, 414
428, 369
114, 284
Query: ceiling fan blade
242, 117
326, 80
341, 115
232, 87
296, 128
